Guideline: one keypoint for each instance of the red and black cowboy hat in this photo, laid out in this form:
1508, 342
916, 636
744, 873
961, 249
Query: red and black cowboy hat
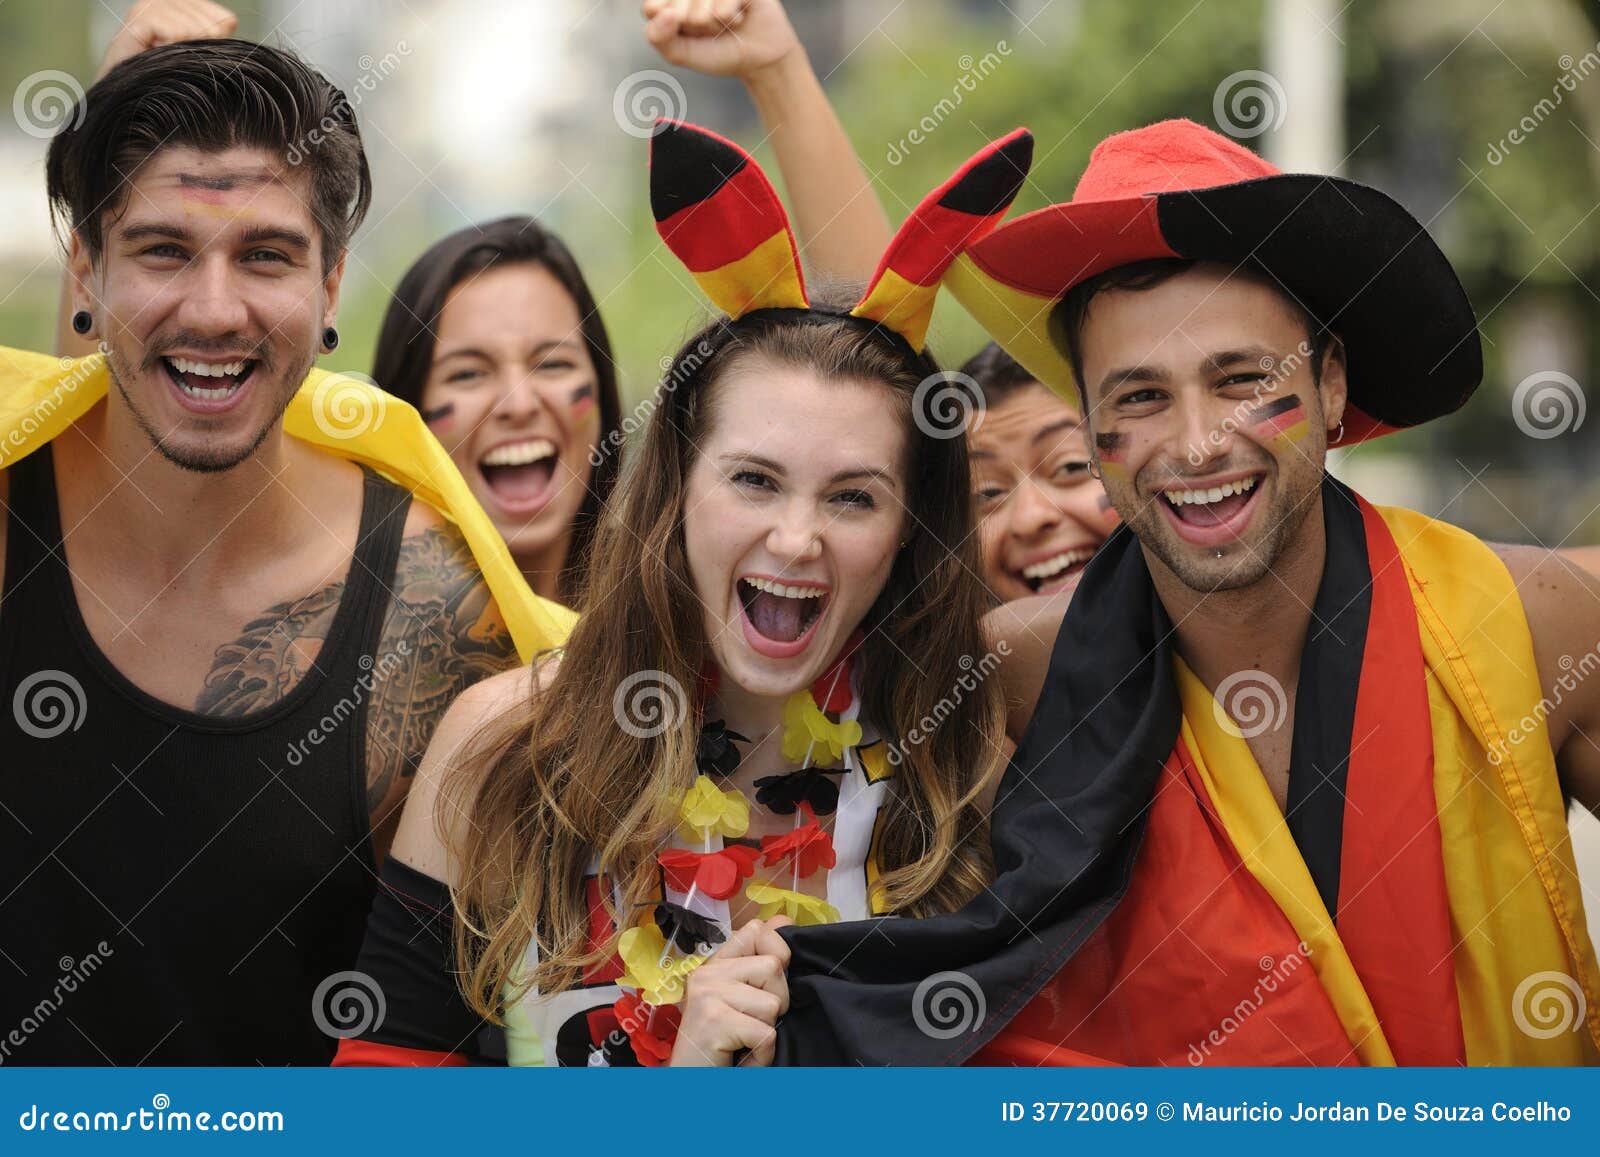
1351, 255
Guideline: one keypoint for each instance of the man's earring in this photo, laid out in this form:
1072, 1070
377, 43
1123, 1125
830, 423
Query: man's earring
1338, 435
82, 322
1094, 469
330, 339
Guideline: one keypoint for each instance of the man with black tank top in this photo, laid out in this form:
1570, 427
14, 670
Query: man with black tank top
222, 648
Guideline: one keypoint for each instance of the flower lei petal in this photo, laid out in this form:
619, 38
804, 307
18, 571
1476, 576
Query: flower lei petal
798, 906
651, 1030
717, 874
807, 731
811, 847
707, 810
659, 981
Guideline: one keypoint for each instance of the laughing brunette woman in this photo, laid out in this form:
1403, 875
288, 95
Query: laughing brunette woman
771, 709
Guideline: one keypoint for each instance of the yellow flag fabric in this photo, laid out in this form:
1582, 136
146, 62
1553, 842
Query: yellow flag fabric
41, 395
1525, 968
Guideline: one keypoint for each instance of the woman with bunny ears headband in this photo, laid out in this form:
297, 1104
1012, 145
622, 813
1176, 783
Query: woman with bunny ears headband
774, 707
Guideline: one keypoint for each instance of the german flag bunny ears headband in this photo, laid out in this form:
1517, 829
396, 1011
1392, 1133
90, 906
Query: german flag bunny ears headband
718, 213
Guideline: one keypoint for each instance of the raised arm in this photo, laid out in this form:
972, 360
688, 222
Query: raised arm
840, 226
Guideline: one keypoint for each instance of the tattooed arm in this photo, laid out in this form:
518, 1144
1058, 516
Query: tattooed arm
442, 633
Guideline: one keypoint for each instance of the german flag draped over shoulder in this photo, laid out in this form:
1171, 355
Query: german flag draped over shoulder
1153, 906
40, 396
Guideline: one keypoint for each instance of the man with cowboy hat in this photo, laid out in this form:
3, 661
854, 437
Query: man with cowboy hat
1291, 782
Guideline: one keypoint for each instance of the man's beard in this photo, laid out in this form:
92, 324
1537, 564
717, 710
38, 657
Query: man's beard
199, 459
1242, 565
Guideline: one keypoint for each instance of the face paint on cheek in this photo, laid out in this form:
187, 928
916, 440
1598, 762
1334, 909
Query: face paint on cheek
438, 413
1112, 449
582, 401
1108, 511
1281, 421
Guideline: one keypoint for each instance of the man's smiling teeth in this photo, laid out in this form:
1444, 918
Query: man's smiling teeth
1051, 566
520, 453
788, 592
1214, 494
208, 369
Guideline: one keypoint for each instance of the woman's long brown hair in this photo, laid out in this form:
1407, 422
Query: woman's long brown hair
556, 781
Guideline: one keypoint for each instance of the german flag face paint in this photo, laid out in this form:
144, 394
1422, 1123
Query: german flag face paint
1280, 422
582, 402
1112, 450
719, 215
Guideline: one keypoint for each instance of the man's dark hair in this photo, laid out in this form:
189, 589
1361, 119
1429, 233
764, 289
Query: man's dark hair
998, 374
1066, 318
209, 95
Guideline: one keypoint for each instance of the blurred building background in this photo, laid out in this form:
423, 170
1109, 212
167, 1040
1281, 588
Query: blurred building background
1482, 117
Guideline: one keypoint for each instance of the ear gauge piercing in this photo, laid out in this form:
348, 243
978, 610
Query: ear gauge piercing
82, 322
330, 339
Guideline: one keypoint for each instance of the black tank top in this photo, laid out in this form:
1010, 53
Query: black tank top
174, 888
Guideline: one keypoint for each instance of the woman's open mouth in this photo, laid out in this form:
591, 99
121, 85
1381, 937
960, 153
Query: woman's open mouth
519, 474
1056, 573
1210, 516
780, 618
208, 387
